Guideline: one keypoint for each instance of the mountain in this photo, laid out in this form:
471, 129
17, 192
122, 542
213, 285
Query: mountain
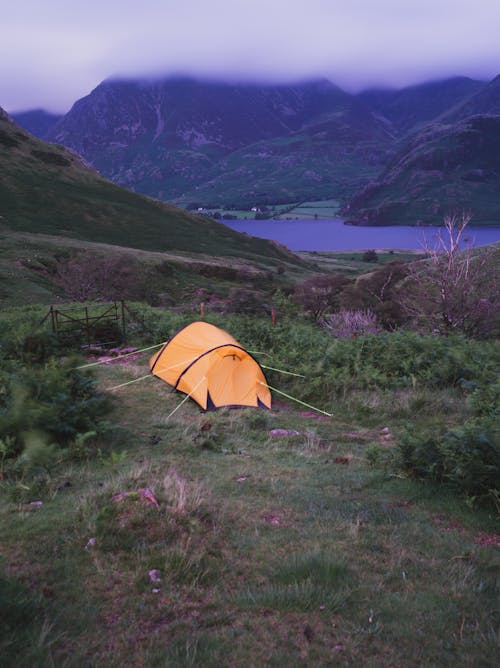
485, 101
333, 153
444, 168
411, 108
47, 189
391, 156
182, 140
38, 122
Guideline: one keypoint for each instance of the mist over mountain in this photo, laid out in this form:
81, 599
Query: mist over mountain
410, 108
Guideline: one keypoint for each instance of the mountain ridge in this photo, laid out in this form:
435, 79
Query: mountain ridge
170, 139
214, 144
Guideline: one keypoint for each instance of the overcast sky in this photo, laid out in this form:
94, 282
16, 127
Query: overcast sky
52, 52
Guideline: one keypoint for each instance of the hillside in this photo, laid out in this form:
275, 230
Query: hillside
485, 101
183, 140
47, 189
38, 122
337, 152
442, 169
412, 107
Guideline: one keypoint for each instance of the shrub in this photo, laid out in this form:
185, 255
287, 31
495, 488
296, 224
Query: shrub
89, 275
321, 293
43, 412
377, 290
465, 458
347, 324
370, 256
455, 289
242, 300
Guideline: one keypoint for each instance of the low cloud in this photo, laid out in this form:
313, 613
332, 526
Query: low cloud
53, 54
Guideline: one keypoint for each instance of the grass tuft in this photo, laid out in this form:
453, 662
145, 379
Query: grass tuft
317, 567
297, 597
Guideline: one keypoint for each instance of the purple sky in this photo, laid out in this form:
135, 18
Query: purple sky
53, 52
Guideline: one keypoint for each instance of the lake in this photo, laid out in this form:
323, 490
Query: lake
333, 235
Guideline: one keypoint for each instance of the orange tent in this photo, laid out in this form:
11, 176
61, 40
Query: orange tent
211, 367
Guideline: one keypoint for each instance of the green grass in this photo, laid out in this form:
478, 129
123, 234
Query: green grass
319, 209
271, 551
351, 262
25, 258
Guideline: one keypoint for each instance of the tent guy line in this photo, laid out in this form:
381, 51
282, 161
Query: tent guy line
288, 373
188, 396
288, 396
136, 380
118, 357
158, 345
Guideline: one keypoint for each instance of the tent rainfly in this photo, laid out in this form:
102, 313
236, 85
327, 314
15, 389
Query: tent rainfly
211, 367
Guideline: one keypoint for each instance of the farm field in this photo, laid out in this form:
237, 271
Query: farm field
255, 537
320, 209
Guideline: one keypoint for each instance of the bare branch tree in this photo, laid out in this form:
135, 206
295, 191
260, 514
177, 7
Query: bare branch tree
456, 288
88, 275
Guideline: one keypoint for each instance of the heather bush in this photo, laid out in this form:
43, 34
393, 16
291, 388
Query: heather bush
351, 323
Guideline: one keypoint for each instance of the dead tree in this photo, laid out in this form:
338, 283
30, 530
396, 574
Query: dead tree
456, 288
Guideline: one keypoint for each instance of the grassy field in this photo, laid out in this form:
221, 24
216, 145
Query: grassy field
214, 540
351, 263
305, 210
320, 209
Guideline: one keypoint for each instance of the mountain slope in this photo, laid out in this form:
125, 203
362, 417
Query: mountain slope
443, 169
47, 189
38, 122
179, 139
412, 107
485, 101
329, 156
